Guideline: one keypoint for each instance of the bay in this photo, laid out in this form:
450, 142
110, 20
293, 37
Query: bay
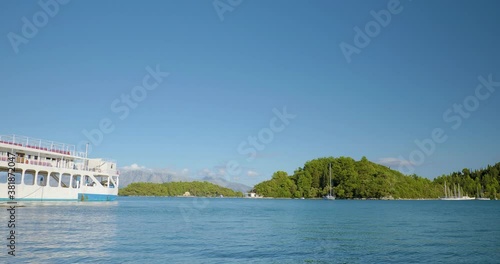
227, 230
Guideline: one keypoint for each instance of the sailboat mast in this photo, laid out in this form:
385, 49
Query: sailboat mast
330, 173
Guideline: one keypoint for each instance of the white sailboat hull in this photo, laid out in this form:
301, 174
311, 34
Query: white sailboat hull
464, 198
329, 197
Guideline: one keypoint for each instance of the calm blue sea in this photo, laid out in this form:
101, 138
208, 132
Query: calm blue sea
225, 230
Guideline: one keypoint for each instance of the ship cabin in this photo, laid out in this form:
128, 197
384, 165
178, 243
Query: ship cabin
48, 163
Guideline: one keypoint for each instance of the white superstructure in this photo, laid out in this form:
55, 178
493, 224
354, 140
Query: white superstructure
48, 170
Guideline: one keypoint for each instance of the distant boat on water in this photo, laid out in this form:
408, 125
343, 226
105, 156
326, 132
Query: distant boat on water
330, 196
480, 196
455, 195
252, 195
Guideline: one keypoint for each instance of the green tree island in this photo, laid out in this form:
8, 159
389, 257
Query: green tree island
364, 179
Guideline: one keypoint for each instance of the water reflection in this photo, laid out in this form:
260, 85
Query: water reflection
67, 231
176, 230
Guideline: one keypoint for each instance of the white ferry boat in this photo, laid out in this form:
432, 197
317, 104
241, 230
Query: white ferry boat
51, 171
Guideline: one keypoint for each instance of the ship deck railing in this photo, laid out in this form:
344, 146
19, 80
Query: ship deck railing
61, 165
41, 144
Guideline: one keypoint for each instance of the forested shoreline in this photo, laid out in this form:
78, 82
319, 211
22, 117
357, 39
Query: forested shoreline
350, 179
364, 179
195, 188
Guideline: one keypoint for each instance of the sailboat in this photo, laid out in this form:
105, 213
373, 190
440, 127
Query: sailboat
480, 198
330, 196
454, 196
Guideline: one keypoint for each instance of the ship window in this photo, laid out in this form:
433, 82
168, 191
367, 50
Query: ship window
29, 177
103, 180
77, 181
3, 175
65, 180
89, 181
54, 179
18, 176
114, 180
41, 178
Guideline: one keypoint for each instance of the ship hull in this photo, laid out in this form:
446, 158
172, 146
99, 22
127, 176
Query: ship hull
38, 183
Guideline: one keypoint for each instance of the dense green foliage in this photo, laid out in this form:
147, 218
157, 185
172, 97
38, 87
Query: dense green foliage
365, 179
195, 188
482, 183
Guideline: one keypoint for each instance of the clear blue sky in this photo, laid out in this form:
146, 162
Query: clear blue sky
226, 77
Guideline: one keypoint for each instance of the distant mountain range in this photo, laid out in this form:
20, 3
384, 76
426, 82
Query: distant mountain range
128, 176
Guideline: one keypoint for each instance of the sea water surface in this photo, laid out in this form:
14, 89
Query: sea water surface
225, 230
